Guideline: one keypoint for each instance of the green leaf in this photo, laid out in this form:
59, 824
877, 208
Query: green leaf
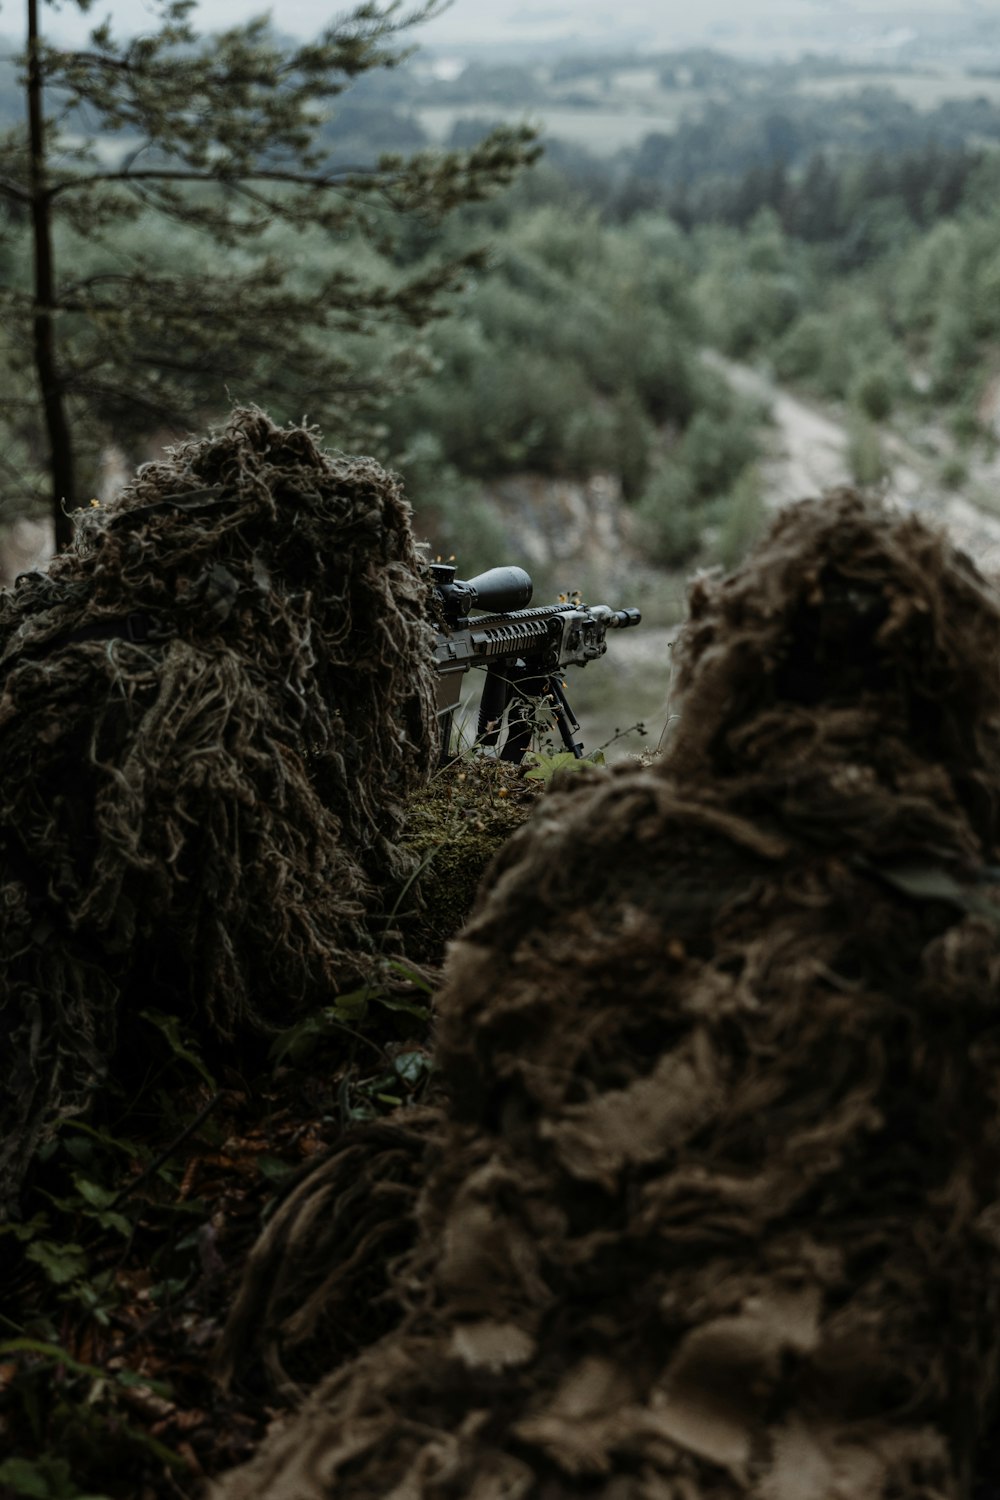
412, 1066
103, 1138
80, 1148
172, 1286
24, 1232
406, 1007
93, 1193
170, 1028
23, 1477
45, 1478
544, 767
298, 1041
352, 1006
61, 1263
114, 1221
134, 1381
346, 1011
407, 973
273, 1169
53, 1352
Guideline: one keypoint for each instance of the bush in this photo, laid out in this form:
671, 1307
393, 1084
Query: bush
716, 447
872, 393
866, 460
449, 511
751, 287
951, 357
744, 519
670, 525
572, 350
707, 473
801, 352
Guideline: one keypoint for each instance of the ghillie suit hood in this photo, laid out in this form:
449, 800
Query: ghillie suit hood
211, 712
717, 1210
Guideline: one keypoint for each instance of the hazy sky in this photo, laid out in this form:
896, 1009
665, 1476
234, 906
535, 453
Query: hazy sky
586, 22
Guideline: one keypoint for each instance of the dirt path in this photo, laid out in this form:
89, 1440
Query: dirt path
809, 453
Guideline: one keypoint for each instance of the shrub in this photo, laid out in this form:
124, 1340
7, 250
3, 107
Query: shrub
865, 457
872, 393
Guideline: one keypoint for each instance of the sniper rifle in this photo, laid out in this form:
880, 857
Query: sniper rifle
524, 653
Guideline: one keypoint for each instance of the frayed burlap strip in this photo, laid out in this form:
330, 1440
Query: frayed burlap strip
717, 1212
318, 1283
203, 821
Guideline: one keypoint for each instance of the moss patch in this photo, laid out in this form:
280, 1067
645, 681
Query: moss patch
455, 825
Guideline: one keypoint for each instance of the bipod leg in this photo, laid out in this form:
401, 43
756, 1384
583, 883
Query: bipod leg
565, 717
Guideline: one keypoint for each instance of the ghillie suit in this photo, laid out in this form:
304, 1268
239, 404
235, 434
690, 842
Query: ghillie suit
717, 1213
212, 711
316, 1286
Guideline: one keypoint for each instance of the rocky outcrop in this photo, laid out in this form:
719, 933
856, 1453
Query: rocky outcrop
582, 526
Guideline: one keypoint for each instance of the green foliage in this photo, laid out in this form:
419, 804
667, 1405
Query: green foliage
449, 505
564, 359
57, 1403
801, 353
183, 1051
348, 1011
117, 1285
671, 526
456, 825
751, 288
61, 1263
951, 350
43, 1478
744, 518
856, 169
865, 456
703, 476
83, 1409
543, 767
894, 308
931, 266
578, 353
872, 392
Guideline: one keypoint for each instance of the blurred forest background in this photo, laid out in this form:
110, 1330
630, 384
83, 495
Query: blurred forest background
704, 238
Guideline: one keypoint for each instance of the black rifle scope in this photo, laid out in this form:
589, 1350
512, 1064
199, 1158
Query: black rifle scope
497, 591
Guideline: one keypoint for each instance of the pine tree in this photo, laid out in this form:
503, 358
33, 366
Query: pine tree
158, 204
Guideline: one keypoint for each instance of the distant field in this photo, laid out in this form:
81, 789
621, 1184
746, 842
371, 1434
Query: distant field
633, 103
602, 131
923, 92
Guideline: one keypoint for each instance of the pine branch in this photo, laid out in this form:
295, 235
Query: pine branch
13, 193
347, 177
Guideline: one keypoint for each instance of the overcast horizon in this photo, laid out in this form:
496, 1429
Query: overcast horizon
779, 25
